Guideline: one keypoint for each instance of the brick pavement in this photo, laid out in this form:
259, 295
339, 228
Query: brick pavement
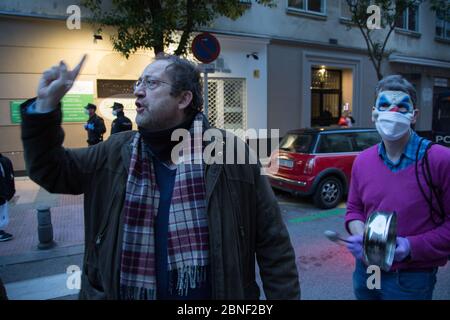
66, 213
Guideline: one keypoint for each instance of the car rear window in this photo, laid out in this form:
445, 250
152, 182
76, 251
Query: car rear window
335, 142
364, 140
301, 143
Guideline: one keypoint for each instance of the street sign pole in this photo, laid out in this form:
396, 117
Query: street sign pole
206, 48
205, 93
206, 68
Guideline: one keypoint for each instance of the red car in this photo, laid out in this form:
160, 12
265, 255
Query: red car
318, 162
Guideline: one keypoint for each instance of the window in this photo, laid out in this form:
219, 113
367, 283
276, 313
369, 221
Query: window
364, 140
443, 24
409, 20
246, 2
227, 103
110, 88
297, 143
441, 113
315, 6
345, 10
346, 13
337, 142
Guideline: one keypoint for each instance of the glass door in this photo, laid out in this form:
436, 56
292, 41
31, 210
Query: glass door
326, 96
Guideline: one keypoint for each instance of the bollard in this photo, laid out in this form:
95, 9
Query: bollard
45, 228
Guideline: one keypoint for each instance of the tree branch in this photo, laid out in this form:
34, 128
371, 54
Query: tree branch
187, 29
155, 11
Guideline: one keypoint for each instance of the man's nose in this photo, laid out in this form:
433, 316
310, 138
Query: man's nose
394, 109
139, 91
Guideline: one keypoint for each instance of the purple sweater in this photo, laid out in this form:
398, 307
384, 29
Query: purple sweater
376, 188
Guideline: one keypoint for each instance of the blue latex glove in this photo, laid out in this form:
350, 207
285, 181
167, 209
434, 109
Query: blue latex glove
355, 246
90, 126
85, 126
402, 249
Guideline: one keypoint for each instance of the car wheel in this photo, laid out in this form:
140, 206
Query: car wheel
328, 193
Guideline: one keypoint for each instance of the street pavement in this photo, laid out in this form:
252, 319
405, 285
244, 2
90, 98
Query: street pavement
325, 268
67, 218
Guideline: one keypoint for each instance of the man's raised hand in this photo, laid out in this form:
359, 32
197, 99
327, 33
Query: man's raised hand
54, 84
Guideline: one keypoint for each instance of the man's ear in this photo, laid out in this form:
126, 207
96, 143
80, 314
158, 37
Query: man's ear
415, 115
185, 99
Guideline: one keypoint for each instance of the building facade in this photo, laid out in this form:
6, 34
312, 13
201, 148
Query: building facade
292, 66
35, 36
317, 66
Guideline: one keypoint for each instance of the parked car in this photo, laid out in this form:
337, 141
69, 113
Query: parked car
318, 162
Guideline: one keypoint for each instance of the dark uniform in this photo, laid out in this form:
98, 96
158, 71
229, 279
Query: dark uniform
121, 123
96, 135
7, 186
7, 191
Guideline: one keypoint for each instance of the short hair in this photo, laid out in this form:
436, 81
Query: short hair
91, 106
185, 76
397, 83
117, 105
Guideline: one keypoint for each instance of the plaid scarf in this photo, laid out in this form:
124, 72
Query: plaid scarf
188, 243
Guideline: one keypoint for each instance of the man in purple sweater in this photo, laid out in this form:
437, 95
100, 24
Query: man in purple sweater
397, 175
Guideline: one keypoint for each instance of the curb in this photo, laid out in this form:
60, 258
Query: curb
42, 255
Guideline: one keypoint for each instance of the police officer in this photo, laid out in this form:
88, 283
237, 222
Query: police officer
121, 123
95, 126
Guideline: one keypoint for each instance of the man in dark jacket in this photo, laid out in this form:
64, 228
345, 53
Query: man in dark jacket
95, 126
121, 123
157, 225
7, 191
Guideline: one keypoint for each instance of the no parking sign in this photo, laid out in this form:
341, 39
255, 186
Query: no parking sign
205, 47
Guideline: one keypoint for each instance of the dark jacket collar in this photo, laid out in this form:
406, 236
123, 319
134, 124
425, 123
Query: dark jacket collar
126, 148
160, 142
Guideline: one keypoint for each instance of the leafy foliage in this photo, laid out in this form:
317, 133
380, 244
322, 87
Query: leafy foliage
145, 24
376, 39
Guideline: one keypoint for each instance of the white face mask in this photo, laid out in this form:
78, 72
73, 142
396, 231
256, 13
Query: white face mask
392, 125
114, 113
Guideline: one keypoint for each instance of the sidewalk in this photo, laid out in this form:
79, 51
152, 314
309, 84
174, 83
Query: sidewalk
66, 213
33, 274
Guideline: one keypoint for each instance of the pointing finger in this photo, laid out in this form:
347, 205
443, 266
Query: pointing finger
74, 73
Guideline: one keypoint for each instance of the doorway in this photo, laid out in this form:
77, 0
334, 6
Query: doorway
441, 116
326, 96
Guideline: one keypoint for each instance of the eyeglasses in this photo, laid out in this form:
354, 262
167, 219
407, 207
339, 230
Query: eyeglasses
149, 83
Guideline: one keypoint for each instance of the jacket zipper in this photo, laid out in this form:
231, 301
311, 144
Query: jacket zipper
99, 238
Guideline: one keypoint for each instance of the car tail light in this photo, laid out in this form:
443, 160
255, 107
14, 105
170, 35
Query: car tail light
309, 166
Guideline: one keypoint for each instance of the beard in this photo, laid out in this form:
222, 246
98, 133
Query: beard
156, 119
